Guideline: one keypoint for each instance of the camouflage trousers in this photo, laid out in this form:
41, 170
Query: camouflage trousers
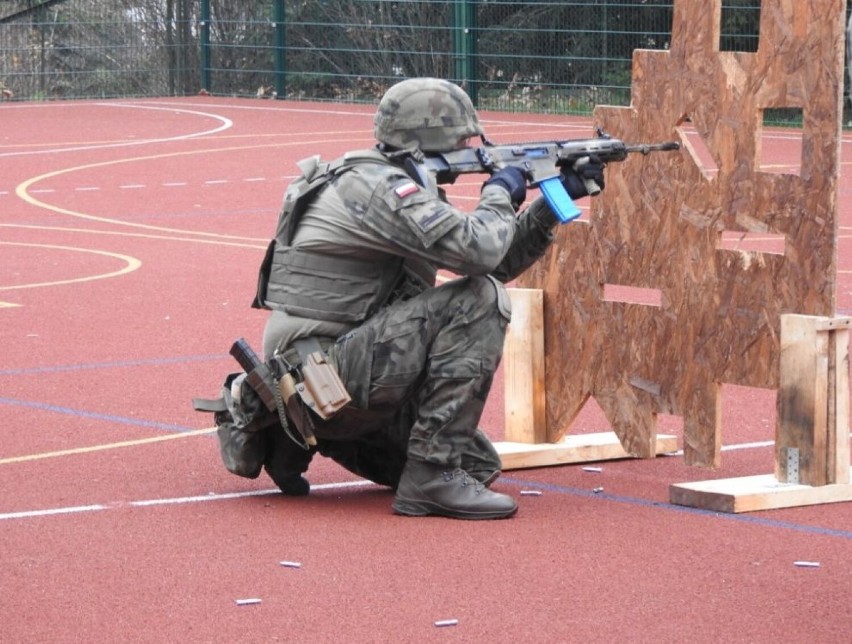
419, 373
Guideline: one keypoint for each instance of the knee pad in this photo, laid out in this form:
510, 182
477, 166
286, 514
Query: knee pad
502, 300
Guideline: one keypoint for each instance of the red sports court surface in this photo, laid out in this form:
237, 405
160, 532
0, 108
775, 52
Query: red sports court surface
130, 235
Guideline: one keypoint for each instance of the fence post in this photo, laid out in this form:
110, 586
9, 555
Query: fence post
280, 20
205, 45
464, 46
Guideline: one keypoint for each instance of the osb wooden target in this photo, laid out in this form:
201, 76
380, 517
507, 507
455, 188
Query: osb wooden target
676, 283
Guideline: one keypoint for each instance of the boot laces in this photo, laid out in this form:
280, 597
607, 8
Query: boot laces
466, 479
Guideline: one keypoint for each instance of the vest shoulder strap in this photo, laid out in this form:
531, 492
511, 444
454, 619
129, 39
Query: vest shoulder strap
316, 173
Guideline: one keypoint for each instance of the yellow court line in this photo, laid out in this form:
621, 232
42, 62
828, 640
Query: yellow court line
60, 146
132, 265
106, 446
22, 188
262, 243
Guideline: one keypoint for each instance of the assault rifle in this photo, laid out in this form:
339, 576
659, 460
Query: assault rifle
540, 160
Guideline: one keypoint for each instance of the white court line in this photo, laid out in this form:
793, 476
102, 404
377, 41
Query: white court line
731, 448
239, 495
277, 107
166, 184
225, 124
573, 122
43, 513
29, 514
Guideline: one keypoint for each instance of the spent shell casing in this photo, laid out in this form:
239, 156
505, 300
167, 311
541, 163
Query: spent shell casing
447, 622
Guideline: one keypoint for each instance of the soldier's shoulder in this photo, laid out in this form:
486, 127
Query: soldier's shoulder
375, 173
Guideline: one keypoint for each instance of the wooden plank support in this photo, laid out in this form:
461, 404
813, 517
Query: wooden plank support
525, 443
751, 493
812, 430
523, 365
812, 453
573, 448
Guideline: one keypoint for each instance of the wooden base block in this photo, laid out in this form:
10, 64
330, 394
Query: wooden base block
750, 493
579, 448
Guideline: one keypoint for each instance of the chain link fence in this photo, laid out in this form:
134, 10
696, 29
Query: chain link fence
563, 57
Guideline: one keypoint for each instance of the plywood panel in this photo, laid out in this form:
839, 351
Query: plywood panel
660, 223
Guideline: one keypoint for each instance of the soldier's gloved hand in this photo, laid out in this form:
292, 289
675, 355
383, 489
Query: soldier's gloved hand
514, 180
585, 178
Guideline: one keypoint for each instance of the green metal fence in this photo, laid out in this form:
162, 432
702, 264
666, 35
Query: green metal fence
85, 49
506, 54
521, 56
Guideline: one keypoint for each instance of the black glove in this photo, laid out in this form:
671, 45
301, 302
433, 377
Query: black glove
574, 179
514, 180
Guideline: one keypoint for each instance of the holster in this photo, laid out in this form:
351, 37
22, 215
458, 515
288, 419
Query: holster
272, 386
321, 388
317, 383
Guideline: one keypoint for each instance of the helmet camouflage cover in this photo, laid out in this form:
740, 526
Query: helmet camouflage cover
429, 114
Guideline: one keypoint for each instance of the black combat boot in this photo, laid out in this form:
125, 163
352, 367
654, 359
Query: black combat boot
285, 462
481, 460
486, 477
427, 488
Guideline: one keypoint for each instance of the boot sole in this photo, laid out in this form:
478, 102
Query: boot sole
411, 508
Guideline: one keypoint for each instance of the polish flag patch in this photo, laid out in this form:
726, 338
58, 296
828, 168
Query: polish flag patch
405, 189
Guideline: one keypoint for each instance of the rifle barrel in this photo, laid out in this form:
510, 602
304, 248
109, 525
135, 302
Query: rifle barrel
647, 148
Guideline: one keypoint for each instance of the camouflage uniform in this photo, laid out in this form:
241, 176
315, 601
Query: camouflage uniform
355, 267
423, 364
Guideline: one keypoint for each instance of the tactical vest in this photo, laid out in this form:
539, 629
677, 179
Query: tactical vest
317, 285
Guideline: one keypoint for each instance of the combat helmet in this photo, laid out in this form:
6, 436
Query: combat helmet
427, 114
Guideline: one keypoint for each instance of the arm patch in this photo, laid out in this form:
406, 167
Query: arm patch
426, 215
406, 189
